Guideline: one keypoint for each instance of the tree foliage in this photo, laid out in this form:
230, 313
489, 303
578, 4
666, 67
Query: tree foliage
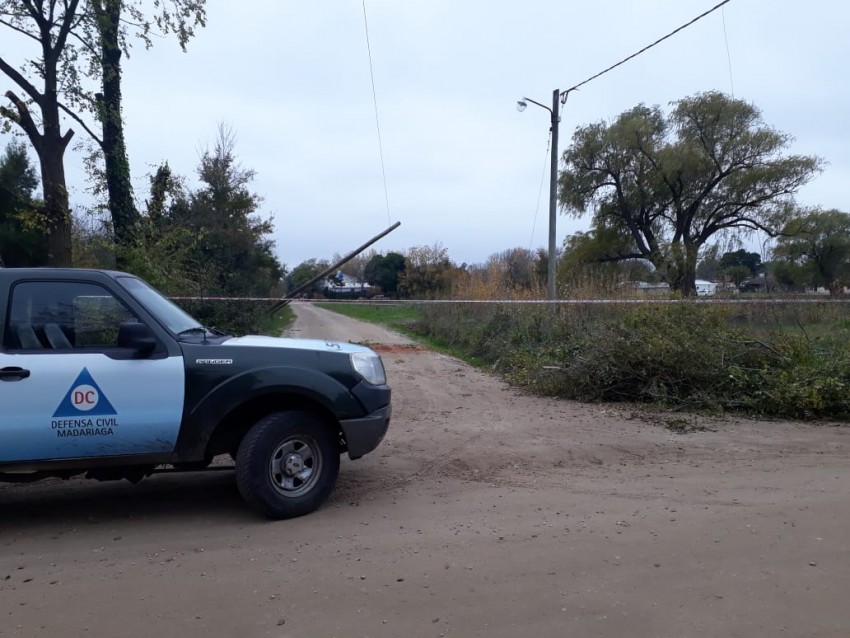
21, 244
751, 262
210, 241
519, 267
584, 266
428, 272
304, 272
232, 247
385, 271
659, 187
815, 247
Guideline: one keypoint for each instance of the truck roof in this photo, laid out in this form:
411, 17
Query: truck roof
56, 273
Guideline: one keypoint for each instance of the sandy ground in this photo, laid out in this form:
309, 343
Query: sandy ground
485, 512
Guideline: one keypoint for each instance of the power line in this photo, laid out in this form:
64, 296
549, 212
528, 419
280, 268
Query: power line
728, 53
540, 190
647, 48
377, 121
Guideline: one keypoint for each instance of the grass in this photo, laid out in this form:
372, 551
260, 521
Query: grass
405, 319
274, 325
398, 317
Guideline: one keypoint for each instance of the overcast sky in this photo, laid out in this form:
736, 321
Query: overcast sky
463, 167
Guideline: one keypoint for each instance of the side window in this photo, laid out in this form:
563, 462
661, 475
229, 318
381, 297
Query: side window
63, 315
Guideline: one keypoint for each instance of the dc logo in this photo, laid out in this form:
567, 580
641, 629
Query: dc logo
84, 397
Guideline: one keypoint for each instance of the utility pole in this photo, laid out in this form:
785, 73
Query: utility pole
553, 195
555, 119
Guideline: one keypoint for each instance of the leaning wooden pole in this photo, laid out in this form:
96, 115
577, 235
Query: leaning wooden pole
289, 295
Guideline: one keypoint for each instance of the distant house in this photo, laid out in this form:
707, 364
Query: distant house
761, 283
343, 284
652, 290
705, 288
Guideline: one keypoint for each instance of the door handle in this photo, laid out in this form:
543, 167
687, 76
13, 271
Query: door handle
13, 373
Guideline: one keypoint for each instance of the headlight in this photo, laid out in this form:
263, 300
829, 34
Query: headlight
369, 366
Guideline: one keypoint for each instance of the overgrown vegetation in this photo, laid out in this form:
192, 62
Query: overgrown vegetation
788, 361
239, 317
208, 241
273, 325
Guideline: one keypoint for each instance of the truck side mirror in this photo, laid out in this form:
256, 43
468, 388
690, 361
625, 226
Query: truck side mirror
137, 336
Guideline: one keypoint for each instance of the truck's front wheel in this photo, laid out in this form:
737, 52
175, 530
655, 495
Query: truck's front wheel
287, 464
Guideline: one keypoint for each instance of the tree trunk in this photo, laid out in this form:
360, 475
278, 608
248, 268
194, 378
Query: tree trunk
57, 216
683, 268
122, 207
50, 147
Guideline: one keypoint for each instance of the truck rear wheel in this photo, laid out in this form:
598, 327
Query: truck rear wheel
287, 464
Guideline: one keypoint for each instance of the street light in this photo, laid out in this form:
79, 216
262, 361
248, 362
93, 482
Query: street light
557, 100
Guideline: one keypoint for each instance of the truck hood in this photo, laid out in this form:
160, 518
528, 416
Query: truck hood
295, 344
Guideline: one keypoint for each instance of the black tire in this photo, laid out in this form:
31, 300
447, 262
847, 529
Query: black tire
287, 464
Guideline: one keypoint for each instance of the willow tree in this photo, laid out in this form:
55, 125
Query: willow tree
660, 186
818, 241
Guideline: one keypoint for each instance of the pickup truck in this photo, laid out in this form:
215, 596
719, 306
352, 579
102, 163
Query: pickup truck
102, 375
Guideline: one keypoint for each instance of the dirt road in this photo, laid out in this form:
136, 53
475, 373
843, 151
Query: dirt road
484, 513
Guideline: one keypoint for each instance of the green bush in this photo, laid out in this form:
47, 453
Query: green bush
783, 361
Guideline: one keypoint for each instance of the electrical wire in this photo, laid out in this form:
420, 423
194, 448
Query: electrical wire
728, 53
646, 48
377, 120
540, 190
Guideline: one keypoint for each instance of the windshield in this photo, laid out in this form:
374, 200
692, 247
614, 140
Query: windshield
169, 314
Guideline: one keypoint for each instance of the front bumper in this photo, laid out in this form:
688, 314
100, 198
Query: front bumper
364, 434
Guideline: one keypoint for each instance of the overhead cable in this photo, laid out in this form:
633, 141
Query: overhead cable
728, 53
646, 48
540, 190
377, 121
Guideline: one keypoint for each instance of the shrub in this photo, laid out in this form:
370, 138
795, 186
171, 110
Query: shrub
787, 361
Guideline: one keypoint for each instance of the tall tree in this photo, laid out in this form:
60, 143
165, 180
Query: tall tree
660, 187
819, 243
517, 266
81, 40
49, 24
428, 272
304, 272
751, 262
210, 240
385, 271
105, 32
234, 251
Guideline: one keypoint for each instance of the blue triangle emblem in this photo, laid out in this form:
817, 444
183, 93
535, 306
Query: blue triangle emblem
84, 398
